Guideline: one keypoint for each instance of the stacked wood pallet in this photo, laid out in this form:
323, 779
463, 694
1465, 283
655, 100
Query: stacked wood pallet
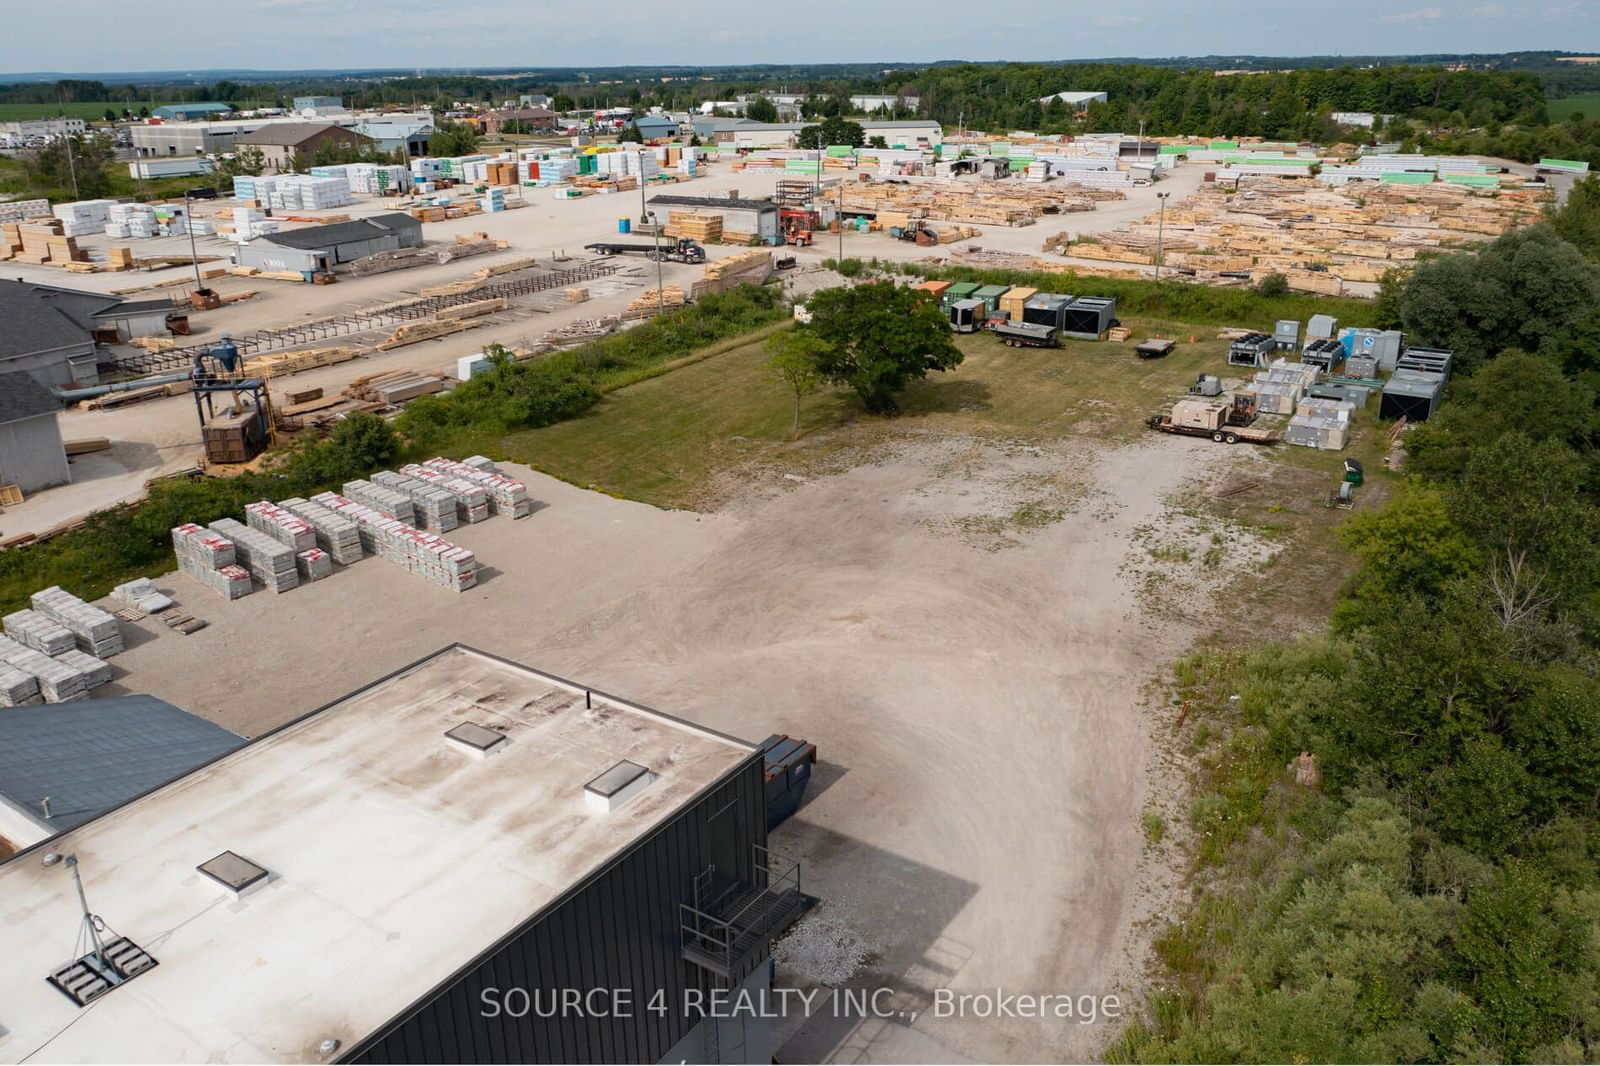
942, 199
702, 226
282, 364
652, 301
394, 386
39, 242
1317, 237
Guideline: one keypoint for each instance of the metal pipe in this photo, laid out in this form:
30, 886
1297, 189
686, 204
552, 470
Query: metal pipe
74, 395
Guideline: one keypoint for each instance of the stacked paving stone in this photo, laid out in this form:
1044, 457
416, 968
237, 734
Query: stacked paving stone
422, 553
58, 681
314, 564
210, 558
96, 672
435, 507
269, 561
336, 534
472, 500
39, 632
142, 595
277, 523
506, 496
481, 462
384, 501
96, 630
17, 687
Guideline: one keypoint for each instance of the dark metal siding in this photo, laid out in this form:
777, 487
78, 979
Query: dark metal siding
619, 929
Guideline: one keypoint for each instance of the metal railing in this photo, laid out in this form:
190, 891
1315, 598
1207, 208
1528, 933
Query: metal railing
719, 936
360, 321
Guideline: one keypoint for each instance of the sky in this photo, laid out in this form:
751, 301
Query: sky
114, 35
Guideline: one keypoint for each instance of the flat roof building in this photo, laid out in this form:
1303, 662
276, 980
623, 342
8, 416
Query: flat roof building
368, 882
189, 111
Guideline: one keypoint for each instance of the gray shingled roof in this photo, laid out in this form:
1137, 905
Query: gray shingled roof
288, 133
22, 396
91, 755
314, 237
39, 318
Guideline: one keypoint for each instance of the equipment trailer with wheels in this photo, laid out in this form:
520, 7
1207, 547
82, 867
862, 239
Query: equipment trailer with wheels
1225, 423
683, 251
1026, 334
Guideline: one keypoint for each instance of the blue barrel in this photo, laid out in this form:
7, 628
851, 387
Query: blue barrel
624, 225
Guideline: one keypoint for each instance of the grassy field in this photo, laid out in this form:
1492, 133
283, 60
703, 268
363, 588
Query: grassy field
1566, 107
89, 112
665, 441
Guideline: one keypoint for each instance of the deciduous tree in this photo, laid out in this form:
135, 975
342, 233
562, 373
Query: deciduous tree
880, 337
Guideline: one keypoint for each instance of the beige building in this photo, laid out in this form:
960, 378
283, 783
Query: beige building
282, 142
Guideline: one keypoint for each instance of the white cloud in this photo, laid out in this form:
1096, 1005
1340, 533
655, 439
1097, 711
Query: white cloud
1415, 16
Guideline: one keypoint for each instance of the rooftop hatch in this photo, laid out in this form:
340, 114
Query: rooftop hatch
476, 739
617, 786
233, 872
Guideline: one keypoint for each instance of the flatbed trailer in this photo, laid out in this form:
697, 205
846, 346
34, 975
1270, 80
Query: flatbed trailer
684, 251
1222, 435
1025, 334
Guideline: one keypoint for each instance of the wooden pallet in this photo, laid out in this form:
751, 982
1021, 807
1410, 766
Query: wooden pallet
181, 622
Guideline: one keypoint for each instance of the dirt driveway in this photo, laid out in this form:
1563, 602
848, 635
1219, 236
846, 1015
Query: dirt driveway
955, 624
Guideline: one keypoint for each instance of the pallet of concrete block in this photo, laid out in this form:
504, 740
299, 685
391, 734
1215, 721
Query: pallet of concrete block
314, 564
506, 496
422, 553
337, 535
210, 558
285, 528
17, 687
269, 561
96, 630
58, 681
141, 595
385, 501
39, 632
472, 499
95, 671
435, 508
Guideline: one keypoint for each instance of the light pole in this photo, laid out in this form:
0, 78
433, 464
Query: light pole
194, 256
655, 238
91, 923
1141, 140
1161, 225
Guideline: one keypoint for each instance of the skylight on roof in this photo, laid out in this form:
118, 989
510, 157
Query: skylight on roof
233, 872
617, 786
476, 739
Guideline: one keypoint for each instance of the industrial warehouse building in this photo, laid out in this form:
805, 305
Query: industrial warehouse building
317, 248
412, 874
62, 764
401, 133
738, 215
284, 142
743, 133
189, 111
32, 456
211, 138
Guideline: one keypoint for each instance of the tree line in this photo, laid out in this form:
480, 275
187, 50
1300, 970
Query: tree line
1430, 892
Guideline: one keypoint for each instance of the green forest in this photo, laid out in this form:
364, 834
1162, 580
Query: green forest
1430, 893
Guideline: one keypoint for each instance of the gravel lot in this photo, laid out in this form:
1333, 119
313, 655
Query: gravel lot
973, 687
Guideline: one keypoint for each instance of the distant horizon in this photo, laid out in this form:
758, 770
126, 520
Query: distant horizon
286, 36
413, 70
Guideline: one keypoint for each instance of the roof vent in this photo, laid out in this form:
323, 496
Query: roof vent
476, 740
233, 872
617, 786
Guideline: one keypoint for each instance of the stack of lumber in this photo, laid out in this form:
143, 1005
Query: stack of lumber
576, 296
945, 199
280, 364
39, 242
745, 268
471, 310
652, 301
454, 288
1317, 237
483, 273
412, 332
394, 386
702, 226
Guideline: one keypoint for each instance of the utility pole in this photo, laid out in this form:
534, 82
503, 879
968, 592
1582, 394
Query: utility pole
1141, 140
655, 237
644, 215
1161, 225
188, 224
